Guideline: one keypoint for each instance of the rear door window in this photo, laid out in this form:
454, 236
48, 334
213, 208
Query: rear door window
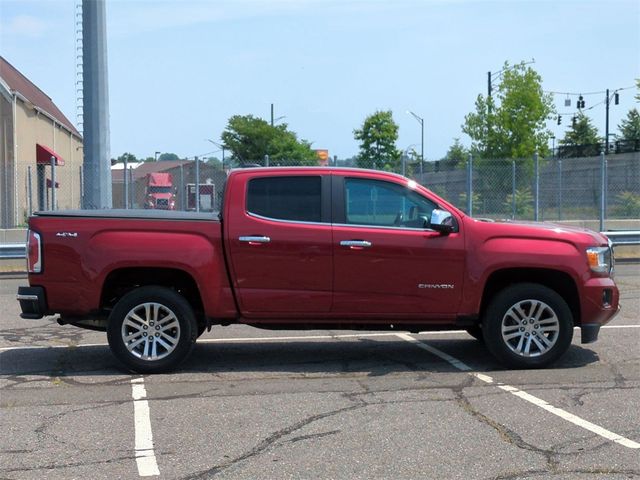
292, 198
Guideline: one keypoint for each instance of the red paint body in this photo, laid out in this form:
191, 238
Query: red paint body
303, 276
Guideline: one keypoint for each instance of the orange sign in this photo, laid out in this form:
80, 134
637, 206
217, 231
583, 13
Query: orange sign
323, 157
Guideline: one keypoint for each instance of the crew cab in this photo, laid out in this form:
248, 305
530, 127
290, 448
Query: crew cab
309, 248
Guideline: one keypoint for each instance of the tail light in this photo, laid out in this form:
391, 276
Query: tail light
34, 252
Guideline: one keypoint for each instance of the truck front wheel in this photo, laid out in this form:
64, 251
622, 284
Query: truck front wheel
528, 325
151, 329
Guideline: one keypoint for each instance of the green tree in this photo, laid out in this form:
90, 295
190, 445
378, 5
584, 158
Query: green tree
457, 155
249, 139
630, 126
581, 139
512, 122
377, 137
582, 132
215, 162
168, 157
128, 157
523, 201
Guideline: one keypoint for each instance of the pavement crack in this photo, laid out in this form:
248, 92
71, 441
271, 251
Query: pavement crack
596, 471
272, 439
506, 434
314, 436
53, 466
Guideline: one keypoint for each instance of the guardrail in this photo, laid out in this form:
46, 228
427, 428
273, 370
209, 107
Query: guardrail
624, 237
10, 251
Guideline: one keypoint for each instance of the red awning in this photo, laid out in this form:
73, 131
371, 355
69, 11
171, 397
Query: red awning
44, 154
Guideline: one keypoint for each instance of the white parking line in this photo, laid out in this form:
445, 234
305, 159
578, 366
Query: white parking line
145, 455
438, 353
598, 430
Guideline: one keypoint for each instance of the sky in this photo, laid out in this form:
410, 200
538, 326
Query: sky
179, 69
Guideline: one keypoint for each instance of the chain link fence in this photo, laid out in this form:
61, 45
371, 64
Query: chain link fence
602, 190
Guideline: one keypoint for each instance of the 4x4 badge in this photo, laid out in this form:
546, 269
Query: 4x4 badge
66, 234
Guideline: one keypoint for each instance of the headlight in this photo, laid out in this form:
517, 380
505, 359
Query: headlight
599, 259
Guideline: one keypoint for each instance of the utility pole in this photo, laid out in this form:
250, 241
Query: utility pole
490, 91
272, 114
97, 166
606, 127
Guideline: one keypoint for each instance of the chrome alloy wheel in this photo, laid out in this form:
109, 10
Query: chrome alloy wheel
530, 328
150, 331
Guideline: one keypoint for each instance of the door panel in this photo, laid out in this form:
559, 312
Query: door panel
394, 268
281, 265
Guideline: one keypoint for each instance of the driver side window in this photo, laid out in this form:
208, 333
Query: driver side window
384, 204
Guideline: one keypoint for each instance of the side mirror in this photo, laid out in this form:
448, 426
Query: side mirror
441, 221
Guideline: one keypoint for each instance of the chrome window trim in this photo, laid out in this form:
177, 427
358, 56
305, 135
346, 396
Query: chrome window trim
300, 222
412, 229
282, 220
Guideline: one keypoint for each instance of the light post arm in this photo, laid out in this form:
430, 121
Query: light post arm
421, 121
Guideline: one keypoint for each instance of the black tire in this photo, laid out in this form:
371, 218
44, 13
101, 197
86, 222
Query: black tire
527, 313
476, 332
161, 311
201, 329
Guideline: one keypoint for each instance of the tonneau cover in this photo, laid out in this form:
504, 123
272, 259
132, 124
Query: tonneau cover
134, 213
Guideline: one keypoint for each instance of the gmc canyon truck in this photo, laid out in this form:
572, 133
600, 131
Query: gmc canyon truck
317, 248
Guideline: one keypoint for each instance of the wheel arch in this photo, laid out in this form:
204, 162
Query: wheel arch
123, 280
560, 282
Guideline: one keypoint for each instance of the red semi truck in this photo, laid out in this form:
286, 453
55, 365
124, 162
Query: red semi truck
160, 192
309, 248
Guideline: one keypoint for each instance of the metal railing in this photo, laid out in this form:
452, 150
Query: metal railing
624, 237
10, 251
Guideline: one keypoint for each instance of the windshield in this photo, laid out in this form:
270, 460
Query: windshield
159, 190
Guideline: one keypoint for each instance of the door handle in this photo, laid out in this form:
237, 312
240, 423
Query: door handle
355, 244
255, 240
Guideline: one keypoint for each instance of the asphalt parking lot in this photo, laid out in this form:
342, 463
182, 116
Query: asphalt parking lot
324, 404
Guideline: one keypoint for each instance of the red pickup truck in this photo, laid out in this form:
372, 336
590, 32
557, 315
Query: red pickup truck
309, 248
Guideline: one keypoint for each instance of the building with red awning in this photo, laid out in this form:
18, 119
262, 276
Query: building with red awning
34, 131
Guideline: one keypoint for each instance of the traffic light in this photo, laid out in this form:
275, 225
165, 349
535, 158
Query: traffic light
616, 98
580, 101
559, 119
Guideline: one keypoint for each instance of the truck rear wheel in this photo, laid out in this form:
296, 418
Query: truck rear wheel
151, 329
528, 325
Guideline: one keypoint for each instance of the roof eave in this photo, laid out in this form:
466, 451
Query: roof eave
47, 114
5, 90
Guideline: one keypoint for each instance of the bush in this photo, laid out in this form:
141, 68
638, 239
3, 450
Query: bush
476, 201
524, 202
627, 205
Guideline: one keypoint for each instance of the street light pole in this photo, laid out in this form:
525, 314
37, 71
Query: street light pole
220, 145
421, 121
